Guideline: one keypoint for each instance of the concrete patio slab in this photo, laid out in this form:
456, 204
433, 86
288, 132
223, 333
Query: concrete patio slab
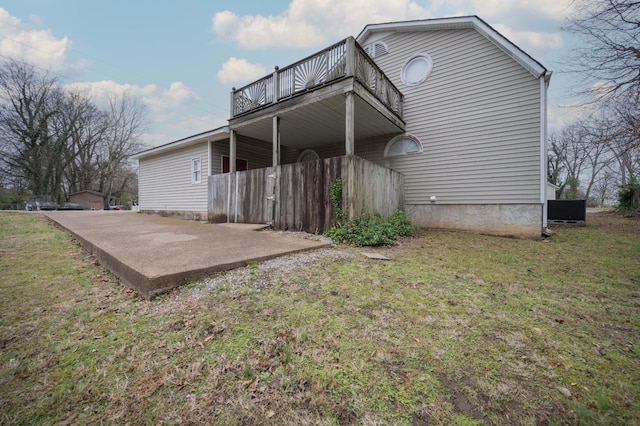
152, 254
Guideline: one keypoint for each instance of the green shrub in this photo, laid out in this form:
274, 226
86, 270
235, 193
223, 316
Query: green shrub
372, 230
401, 223
629, 198
335, 192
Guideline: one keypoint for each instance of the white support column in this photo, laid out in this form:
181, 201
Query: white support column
232, 151
232, 169
276, 141
349, 131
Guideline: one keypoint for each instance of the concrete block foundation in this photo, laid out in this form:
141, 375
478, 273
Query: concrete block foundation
198, 216
508, 220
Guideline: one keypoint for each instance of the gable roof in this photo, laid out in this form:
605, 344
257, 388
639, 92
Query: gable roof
462, 22
88, 191
218, 134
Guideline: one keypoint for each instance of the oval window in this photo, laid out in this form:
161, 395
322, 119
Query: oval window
417, 69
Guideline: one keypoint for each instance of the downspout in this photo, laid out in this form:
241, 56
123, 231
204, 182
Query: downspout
209, 198
209, 158
545, 77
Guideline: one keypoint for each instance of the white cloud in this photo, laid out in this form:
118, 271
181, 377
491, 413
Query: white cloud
101, 90
176, 95
503, 9
37, 47
532, 39
168, 128
176, 111
312, 23
308, 23
529, 24
239, 71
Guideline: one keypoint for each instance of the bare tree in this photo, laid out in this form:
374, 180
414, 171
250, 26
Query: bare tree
555, 164
60, 141
605, 186
609, 32
126, 117
609, 59
626, 146
572, 149
88, 126
599, 135
28, 101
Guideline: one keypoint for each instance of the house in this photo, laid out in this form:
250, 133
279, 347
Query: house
444, 118
89, 200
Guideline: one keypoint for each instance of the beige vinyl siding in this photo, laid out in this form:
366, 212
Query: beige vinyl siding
258, 153
328, 151
477, 115
371, 150
165, 181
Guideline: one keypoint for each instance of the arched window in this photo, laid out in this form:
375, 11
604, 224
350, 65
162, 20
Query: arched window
417, 69
403, 145
308, 155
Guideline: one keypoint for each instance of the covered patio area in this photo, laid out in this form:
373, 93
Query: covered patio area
319, 107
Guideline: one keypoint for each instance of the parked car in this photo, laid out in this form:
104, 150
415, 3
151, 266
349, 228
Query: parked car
71, 206
36, 204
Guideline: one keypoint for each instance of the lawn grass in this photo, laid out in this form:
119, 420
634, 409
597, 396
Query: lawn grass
457, 329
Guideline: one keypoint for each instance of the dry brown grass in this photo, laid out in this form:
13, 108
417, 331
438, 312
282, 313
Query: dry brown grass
457, 329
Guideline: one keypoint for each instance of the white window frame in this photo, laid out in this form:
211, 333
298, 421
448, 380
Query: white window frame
305, 152
399, 138
196, 170
405, 67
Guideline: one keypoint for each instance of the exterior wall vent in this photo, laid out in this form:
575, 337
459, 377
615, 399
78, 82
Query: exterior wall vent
376, 49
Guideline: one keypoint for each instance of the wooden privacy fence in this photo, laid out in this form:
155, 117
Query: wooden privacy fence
297, 196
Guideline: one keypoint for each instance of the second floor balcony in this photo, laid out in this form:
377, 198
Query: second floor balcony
340, 62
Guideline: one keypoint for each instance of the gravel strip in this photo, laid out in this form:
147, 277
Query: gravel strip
264, 274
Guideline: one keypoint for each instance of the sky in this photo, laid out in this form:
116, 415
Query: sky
182, 58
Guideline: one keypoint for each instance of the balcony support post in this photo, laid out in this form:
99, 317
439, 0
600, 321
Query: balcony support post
233, 102
349, 131
276, 85
232, 151
232, 170
350, 56
276, 141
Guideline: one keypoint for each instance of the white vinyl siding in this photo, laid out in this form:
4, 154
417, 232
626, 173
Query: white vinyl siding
477, 115
165, 181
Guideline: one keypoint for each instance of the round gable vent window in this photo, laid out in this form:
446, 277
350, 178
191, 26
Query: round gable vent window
417, 69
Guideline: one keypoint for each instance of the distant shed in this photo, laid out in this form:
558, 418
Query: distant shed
89, 200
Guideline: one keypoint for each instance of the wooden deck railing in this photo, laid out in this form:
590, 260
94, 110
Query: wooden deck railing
344, 59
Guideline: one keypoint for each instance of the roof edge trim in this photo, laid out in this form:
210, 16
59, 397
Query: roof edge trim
472, 21
217, 134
